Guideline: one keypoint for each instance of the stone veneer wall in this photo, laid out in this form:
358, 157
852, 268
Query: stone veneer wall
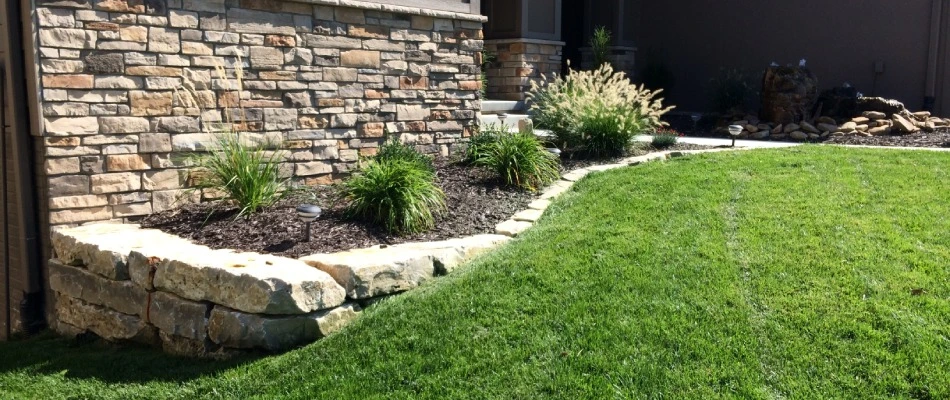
517, 62
328, 81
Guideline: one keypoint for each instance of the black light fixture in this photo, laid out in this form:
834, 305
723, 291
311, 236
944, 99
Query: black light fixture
735, 130
307, 213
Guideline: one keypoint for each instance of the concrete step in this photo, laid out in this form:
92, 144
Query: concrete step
502, 106
511, 121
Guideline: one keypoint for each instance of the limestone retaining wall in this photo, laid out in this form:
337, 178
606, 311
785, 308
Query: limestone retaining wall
125, 283
327, 81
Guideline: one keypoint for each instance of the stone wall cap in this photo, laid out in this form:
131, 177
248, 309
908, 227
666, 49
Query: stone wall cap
525, 40
368, 5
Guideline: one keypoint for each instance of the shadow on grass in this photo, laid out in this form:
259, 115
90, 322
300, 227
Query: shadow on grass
47, 353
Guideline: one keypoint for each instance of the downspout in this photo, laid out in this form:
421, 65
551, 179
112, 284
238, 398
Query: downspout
6, 209
933, 57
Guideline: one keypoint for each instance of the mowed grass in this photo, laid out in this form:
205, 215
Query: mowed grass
812, 272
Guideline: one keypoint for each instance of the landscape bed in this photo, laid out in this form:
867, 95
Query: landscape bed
477, 203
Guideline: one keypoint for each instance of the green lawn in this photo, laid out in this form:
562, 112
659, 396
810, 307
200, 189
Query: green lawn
786, 273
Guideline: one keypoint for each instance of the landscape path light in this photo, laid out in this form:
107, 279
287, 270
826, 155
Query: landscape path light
735, 131
307, 213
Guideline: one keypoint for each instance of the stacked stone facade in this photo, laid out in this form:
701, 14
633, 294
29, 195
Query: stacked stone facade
130, 87
516, 63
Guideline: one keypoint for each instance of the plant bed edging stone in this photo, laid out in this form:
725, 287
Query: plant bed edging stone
125, 283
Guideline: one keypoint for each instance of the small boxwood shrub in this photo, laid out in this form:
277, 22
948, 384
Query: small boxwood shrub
520, 160
396, 189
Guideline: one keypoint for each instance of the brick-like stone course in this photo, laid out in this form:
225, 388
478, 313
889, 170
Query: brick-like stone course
516, 63
329, 82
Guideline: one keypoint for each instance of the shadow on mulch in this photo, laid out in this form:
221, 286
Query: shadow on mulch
47, 353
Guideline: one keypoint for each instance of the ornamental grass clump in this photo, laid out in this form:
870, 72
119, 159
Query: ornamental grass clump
596, 111
396, 190
245, 170
393, 150
481, 142
248, 175
520, 160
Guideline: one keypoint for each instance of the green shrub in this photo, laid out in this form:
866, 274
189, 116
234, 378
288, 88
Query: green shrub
520, 160
664, 138
600, 46
249, 175
393, 150
398, 194
482, 141
565, 104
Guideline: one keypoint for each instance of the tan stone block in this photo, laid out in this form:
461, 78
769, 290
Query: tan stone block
81, 201
151, 103
278, 75
68, 81
127, 162
371, 130
69, 126
422, 22
131, 210
339, 74
115, 182
280, 41
59, 166
369, 31
62, 141
150, 70
375, 94
196, 48
134, 34
132, 6
360, 59
102, 26
80, 215
312, 122
413, 82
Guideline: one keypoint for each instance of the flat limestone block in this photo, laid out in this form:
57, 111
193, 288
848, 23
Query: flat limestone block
449, 254
247, 282
576, 175
155, 260
178, 317
235, 329
372, 272
529, 215
512, 228
122, 296
555, 190
107, 323
540, 204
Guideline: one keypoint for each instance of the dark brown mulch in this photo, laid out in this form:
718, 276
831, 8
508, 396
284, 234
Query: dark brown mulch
935, 139
475, 202
571, 163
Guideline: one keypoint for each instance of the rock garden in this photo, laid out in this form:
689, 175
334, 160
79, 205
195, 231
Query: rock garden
243, 271
791, 109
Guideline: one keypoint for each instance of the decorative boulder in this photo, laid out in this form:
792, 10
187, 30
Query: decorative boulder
787, 93
879, 104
